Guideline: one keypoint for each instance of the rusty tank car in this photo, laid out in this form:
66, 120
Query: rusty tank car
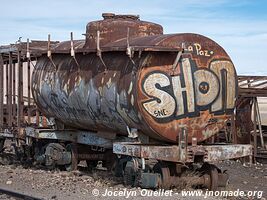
142, 102
129, 75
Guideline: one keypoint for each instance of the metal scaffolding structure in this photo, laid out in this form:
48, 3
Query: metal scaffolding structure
16, 104
250, 88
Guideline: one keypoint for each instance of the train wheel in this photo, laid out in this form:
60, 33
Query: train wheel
164, 171
72, 148
117, 168
213, 172
130, 173
110, 161
2, 142
91, 164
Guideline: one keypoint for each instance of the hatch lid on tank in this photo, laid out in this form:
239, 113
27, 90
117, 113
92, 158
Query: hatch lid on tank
114, 27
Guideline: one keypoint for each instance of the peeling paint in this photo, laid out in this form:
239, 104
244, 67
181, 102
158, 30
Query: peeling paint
130, 88
132, 99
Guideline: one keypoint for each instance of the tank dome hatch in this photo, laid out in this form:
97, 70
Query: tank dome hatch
116, 27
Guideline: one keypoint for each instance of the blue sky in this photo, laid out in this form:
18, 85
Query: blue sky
239, 26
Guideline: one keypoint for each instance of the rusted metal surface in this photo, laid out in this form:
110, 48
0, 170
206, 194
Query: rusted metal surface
6, 94
75, 136
252, 86
19, 91
243, 121
103, 94
29, 90
224, 152
198, 78
166, 153
152, 43
255, 143
13, 58
116, 27
147, 90
9, 91
210, 153
36, 49
258, 122
164, 177
14, 108
17, 194
1, 92
248, 126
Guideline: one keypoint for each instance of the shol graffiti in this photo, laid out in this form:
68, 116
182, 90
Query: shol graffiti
193, 90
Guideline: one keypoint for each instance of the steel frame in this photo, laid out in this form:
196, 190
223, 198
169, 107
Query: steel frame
172, 153
75, 136
14, 59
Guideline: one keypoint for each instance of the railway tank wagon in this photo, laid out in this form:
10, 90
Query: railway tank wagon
167, 81
145, 95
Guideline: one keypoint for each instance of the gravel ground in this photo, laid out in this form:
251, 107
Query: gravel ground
81, 184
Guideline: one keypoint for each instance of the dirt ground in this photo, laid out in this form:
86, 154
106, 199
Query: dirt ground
81, 184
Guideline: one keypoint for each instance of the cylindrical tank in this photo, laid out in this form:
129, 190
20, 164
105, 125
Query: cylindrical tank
156, 90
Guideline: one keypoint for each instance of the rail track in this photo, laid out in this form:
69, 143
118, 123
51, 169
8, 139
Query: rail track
17, 195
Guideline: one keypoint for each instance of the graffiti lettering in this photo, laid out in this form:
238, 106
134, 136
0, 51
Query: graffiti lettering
161, 99
193, 90
197, 48
160, 113
224, 70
